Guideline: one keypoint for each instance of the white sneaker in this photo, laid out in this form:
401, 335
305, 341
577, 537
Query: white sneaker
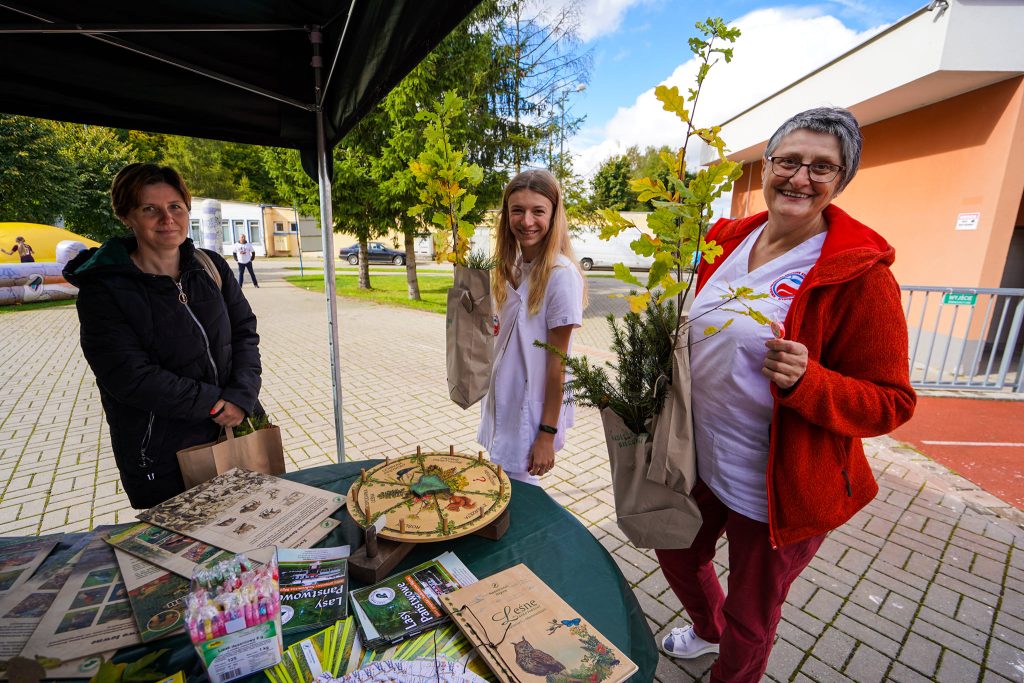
684, 643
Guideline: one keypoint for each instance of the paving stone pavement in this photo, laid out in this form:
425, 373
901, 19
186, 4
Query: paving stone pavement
925, 584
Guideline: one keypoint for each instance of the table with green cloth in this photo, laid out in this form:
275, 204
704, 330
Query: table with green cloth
543, 535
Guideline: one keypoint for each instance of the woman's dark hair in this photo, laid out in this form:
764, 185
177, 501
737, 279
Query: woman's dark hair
832, 121
124, 192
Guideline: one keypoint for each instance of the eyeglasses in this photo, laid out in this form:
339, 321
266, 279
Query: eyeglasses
818, 171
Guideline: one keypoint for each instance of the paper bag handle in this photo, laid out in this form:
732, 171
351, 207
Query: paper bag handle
467, 301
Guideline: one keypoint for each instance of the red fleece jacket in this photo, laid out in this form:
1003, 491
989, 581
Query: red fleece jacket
848, 315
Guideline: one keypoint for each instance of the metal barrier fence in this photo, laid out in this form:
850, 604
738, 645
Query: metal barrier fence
965, 338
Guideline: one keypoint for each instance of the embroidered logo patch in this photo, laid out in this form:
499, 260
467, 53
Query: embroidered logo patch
786, 287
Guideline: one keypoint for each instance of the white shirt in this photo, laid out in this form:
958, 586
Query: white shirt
244, 252
732, 401
511, 411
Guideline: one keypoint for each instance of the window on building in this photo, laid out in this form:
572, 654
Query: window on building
225, 228
238, 228
195, 231
255, 233
278, 227
295, 227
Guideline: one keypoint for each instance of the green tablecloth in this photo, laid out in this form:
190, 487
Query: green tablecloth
543, 535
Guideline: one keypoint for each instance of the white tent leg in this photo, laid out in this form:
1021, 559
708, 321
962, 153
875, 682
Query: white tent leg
327, 230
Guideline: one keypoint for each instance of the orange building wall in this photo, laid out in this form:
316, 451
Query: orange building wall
920, 170
277, 214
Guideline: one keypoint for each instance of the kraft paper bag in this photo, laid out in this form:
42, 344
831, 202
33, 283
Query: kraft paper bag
469, 340
673, 458
258, 451
650, 514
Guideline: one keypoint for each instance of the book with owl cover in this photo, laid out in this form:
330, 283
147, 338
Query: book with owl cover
526, 633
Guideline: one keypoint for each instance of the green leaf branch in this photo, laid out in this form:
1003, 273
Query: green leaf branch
682, 202
445, 181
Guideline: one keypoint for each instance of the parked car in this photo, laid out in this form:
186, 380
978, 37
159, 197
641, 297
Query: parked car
376, 252
594, 252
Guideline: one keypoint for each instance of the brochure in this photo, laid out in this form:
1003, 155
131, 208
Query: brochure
180, 554
19, 559
23, 607
526, 632
314, 587
408, 603
157, 596
166, 549
91, 613
240, 510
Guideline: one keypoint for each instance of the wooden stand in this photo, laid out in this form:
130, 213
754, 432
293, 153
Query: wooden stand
373, 569
386, 554
497, 528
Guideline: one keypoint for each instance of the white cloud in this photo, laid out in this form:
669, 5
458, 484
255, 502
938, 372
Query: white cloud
776, 46
597, 17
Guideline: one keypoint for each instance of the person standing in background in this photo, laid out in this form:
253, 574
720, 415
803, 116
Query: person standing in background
244, 254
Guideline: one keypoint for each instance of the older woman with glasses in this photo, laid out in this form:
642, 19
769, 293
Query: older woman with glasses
779, 410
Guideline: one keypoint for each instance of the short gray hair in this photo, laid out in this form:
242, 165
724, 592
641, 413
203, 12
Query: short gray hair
832, 121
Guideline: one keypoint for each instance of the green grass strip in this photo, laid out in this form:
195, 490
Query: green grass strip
36, 305
389, 289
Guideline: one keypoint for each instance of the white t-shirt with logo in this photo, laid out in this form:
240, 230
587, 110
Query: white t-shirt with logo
732, 402
244, 252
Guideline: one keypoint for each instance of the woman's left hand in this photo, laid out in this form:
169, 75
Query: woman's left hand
229, 415
542, 455
785, 363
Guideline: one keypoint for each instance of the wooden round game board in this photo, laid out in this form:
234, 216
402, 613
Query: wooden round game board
430, 496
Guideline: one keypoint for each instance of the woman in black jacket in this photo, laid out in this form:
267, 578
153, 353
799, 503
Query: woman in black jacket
175, 352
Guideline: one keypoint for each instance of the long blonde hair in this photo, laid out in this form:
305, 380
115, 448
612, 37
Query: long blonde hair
556, 242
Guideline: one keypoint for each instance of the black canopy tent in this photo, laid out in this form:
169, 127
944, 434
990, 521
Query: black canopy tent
286, 73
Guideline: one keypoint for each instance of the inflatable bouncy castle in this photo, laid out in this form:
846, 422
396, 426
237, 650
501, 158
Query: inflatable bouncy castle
42, 280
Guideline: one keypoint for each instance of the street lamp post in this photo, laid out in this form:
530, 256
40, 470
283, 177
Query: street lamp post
298, 237
580, 87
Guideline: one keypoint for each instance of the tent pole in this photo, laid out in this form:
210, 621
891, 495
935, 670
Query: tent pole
327, 230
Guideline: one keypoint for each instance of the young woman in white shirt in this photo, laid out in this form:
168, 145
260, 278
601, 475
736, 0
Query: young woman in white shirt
540, 294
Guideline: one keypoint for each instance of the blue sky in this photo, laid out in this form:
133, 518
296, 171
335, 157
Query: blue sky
638, 44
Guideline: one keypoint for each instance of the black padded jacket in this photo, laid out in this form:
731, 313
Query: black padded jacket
163, 353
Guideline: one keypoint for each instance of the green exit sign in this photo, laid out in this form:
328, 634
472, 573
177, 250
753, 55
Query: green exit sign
959, 298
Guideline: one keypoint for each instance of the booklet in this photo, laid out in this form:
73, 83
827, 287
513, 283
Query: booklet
407, 603
157, 596
314, 587
526, 632
240, 510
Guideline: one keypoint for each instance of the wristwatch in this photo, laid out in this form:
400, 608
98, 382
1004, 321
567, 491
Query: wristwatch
548, 428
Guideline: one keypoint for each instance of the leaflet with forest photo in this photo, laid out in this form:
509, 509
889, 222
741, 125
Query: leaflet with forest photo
408, 603
157, 596
240, 510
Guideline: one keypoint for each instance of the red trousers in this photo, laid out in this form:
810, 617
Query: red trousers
744, 622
